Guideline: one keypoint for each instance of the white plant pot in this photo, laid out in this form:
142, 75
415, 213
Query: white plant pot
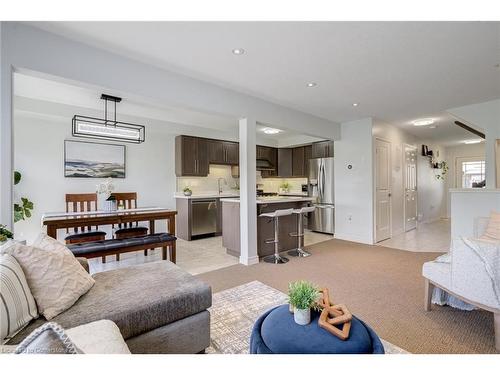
302, 317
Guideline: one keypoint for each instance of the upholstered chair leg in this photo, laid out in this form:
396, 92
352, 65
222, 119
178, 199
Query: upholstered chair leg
104, 259
164, 253
117, 256
146, 252
428, 295
496, 318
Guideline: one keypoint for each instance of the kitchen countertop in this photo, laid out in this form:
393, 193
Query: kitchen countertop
275, 199
207, 195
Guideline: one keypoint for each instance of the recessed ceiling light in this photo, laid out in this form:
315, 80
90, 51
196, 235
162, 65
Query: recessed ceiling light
312, 84
472, 141
238, 51
433, 127
271, 131
423, 122
355, 104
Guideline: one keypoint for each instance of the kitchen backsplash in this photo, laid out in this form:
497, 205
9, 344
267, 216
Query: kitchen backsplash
209, 183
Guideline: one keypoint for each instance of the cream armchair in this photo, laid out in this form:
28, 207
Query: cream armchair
464, 277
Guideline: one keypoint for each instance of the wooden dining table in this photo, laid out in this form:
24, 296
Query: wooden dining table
66, 220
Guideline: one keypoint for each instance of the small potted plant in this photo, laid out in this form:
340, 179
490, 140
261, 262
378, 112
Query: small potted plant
5, 234
285, 187
303, 295
187, 191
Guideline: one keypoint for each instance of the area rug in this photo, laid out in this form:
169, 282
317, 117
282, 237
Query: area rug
234, 312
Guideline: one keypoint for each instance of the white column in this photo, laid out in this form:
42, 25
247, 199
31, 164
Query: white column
5, 136
248, 204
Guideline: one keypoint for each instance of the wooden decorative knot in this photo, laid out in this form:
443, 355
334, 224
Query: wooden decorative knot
333, 315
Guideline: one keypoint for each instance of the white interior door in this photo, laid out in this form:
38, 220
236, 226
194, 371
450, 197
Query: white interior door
382, 190
410, 187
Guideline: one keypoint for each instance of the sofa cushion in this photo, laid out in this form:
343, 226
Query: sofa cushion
101, 337
17, 305
55, 277
138, 299
48, 339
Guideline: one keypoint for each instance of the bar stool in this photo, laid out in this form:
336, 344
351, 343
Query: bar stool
276, 258
300, 252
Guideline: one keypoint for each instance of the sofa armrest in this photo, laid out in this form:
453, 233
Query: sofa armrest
84, 262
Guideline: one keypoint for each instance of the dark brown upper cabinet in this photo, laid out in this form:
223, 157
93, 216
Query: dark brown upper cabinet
298, 163
271, 155
222, 152
191, 156
323, 149
285, 163
307, 158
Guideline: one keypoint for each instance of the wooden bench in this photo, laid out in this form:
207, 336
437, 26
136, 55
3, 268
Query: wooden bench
117, 246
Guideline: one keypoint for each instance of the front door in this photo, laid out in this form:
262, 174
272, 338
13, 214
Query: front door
382, 190
410, 181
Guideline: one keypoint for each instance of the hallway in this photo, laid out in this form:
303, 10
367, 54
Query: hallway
428, 237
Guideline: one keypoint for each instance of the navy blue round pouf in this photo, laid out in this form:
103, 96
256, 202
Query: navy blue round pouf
276, 332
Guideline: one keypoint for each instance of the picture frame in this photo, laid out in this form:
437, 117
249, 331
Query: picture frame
94, 160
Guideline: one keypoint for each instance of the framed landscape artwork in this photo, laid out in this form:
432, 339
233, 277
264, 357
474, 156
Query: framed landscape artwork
93, 160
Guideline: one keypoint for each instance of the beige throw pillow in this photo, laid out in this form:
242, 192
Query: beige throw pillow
492, 232
55, 277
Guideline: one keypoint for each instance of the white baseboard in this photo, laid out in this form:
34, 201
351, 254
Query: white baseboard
249, 261
353, 238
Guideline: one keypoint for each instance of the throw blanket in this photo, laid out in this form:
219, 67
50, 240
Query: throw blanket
489, 253
441, 298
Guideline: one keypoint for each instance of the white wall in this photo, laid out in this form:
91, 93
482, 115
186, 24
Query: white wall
466, 205
487, 117
354, 187
452, 153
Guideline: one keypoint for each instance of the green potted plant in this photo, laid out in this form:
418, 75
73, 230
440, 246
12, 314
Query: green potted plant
22, 209
303, 295
5, 234
187, 191
285, 187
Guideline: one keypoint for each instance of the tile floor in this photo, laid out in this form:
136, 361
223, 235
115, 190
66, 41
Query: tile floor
195, 257
428, 237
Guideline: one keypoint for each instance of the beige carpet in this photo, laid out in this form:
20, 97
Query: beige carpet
382, 286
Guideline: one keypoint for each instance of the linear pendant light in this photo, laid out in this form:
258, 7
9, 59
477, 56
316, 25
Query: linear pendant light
91, 127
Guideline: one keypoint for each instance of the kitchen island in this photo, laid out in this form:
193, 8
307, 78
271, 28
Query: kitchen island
265, 227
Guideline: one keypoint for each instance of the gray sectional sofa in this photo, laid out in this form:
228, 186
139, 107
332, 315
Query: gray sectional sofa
158, 307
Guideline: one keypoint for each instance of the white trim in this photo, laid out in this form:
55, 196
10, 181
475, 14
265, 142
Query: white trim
353, 238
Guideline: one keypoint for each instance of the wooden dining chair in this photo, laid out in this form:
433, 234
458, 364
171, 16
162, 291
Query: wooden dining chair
131, 229
82, 203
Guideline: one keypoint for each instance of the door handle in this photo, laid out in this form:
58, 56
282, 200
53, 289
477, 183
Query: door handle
389, 195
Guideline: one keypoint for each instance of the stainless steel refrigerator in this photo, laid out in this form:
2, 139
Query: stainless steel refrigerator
321, 188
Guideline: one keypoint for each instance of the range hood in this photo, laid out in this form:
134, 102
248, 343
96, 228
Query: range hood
261, 165
264, 165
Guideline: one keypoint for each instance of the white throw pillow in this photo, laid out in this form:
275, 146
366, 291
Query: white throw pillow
492, 232
17, 306
54, 275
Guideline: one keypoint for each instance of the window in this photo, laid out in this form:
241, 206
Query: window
471, 173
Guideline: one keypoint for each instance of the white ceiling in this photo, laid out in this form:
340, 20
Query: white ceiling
63, 100
397, 71
446, 132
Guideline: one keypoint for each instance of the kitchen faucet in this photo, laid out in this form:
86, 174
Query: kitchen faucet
219, 185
